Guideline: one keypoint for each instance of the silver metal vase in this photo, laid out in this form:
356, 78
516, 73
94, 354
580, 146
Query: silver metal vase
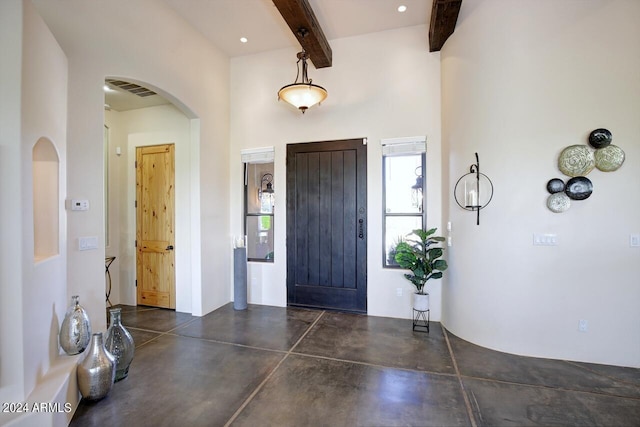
97, 371
75, 332
119, 343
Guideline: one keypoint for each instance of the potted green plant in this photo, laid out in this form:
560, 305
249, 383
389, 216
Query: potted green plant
419, 254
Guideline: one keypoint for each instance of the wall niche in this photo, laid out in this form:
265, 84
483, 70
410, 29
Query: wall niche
46, 189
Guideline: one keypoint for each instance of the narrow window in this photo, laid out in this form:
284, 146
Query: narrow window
404, 184
259, 199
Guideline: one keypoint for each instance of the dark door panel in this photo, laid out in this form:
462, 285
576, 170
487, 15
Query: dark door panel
326, 225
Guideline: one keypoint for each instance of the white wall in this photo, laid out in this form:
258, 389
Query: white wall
521, 81
11, 188
147, 42
44, 284
381, 85
36, 69
137, 128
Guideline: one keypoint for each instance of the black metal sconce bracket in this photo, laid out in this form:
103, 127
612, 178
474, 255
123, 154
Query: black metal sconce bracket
471, 197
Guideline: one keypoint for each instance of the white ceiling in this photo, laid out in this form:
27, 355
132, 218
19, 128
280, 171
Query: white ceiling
224, 22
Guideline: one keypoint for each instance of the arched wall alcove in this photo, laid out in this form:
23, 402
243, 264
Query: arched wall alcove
46, 195
173, 123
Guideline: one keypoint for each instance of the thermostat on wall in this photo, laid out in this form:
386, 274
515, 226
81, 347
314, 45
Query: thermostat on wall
79, 205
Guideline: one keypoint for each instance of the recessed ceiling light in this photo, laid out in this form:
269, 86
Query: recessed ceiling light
243, 39
402, 8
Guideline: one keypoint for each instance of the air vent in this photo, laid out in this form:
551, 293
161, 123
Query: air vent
131, 87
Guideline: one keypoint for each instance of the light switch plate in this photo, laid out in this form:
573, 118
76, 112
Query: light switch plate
547, 239
634, 240
87, 243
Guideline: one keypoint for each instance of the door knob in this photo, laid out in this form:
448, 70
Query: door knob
170, 247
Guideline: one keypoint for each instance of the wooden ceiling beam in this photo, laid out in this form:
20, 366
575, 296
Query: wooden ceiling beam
444, 15
300, 18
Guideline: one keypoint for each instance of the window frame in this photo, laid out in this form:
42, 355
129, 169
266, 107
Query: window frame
247, 214
422, 215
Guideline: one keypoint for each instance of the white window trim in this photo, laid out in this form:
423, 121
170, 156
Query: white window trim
404, 146
258, 155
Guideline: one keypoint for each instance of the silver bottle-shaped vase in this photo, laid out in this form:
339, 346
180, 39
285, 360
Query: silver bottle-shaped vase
75, 332
97, 371
119, 343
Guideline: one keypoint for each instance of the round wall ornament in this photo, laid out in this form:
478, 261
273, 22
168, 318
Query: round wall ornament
576, 160
609, 158
579, 188
600, 138
558, 202
555, 185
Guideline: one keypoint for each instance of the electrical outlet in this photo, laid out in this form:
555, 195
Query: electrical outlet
583, 325
399, 292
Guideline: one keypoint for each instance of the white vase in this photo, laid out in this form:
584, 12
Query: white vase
421, 302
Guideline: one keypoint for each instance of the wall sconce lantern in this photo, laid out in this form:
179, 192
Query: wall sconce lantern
266, 195
305, 94
416, 190
474, 190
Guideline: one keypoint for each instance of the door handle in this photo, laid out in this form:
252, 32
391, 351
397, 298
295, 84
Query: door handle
170, 248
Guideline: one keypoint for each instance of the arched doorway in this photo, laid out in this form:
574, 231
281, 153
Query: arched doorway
142, 121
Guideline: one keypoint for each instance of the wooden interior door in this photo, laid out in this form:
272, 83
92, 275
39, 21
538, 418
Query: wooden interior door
155, 218
326, 225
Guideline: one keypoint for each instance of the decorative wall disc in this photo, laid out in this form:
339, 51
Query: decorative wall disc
576, 160
609, 158
600, 138
579, 188
558, 202
555, 185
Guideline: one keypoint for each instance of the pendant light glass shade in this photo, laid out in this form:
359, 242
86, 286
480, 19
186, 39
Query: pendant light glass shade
305, 94
302, 96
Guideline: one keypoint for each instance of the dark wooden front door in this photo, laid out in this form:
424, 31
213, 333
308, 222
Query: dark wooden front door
327, 225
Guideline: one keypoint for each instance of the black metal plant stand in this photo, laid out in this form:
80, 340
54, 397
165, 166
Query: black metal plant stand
421, 320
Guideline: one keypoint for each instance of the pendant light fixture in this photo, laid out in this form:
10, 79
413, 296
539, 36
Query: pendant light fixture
305, 94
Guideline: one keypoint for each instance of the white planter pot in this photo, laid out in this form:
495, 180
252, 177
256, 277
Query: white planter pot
421, 302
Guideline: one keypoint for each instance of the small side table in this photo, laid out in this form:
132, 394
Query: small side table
107, 263
421, 320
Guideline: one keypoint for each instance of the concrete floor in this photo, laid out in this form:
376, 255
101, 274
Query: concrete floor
272, 366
